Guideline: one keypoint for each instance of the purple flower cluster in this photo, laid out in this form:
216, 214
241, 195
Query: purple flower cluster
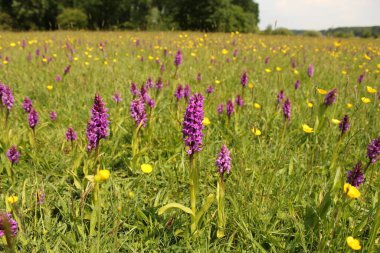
178, 58
280, 96
286, 109
310, 70
134, 90
117, 97
192, 124
199, 77
159, 84
13, 155
53, 116
7, 223
330, 97
344, 124
187, 91
67, 70
220, 108
373, 150
223, 162
244, 79
239, 101
179, 92
71, 135
97, 126
360, 78
138, 113
33, 118
6, 96
229, 108
40, 195
210, 89
27, 105
355, 177
297, 84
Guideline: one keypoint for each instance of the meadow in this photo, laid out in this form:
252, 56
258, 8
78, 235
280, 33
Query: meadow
278, 104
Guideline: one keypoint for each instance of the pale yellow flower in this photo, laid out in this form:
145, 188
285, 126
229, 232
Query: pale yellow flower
206, 121
322, 91
371, 90
257, 106
366, 100
307, 129
12, 199
335, 121
353, 243
256, 131
146, 168
351, 191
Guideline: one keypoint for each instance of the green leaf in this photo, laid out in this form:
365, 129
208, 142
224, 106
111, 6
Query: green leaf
205, 207
175, 205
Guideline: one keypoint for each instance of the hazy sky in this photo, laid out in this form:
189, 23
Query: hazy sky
318, 14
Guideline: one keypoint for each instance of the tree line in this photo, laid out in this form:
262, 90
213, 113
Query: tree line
204, 15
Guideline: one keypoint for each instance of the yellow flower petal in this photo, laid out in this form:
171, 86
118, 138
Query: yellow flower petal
366, 100
12, 199
353, 243
49, 87
349, 105
146, 168
256, 131
103, 174
322, 91
351, 191
335, 121
206, 121
371, 90
224, 51
257, 106
310, 104
307, 129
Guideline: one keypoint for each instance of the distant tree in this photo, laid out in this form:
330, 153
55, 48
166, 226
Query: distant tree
72, 19
5, 21
312, 33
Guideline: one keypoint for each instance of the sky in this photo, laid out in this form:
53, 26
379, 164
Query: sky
318, 14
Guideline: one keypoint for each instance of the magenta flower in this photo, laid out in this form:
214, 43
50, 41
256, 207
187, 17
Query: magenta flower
97, 126
159, 84
58, 78
33, 118
8, 223
297, 84
310, 70
117, 98
223, 162
13, 155
53, 116
192, 124
27, 105
280, 96
179, 92
220, 108
239, 101
210, 89
229, 108
178, 58
138, 113
71, 135
355, 177
344, 124
373, 150
286, 109
134, 90
6, 96
330, 97
187, 91
244, 79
